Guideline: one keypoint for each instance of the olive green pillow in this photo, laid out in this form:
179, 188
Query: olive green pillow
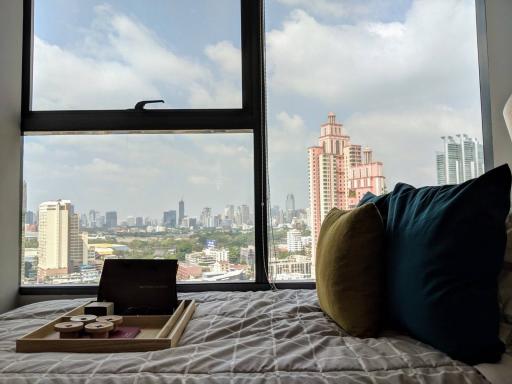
349, 269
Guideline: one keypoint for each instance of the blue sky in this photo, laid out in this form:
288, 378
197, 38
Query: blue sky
185, 26
398, 74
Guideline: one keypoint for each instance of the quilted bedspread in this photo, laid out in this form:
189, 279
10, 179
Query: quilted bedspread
236, 337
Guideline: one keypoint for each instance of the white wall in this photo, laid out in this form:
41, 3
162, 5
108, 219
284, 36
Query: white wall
499, 49
11, 25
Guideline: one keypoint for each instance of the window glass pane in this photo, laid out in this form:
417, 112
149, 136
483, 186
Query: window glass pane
109, 54
153, 196
372, 93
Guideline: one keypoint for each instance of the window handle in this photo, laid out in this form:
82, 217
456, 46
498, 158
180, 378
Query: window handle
141, 104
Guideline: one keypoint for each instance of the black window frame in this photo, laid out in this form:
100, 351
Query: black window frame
250, 118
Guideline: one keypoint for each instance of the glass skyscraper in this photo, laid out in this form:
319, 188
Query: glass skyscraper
462, 159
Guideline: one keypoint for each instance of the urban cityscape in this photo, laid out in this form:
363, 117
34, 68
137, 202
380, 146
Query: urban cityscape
63, 246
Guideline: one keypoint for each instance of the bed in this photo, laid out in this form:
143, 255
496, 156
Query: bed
237, 337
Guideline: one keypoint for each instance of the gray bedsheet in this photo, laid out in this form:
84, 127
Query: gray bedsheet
236, 337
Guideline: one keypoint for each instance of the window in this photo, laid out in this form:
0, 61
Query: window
361, 95
93, 197
105, 176
111, 54
394, 84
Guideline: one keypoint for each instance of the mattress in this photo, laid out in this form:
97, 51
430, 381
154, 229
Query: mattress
237, 337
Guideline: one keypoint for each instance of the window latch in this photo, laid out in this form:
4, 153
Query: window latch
141, 104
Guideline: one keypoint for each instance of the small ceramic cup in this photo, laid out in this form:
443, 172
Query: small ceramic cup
86, 319
99, 330
69, 329
114, 319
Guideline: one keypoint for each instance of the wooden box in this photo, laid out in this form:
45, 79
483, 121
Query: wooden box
156, 332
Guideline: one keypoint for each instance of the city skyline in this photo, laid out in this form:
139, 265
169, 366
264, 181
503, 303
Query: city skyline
400, 111
30, 214
340, 172
61, 252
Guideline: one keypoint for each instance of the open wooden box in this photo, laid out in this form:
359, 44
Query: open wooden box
156, 332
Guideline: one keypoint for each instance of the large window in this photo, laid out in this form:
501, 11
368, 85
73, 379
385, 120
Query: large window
110, 54
233, 173
362, 95
107, 174
89, 198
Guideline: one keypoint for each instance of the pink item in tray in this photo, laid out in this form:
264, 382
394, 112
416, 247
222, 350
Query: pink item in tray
124, 333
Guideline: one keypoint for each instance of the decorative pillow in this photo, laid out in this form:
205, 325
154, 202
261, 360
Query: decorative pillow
381, 201
444, 253
349, 269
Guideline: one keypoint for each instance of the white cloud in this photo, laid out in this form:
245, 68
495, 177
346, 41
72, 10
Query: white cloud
224, 150
199, 180
120, 61
430, 56
328, 7
99, 167
289, 134
407, 141
64, 80
226, 56
288, 140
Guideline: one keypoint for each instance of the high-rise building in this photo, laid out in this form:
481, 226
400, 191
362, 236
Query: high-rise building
101, 221
290, 207
60, 246
217, 220
340, 173
206, 218
294, 241
229, 212
139, 221
189, 222
130, 220
111, 219
169, 219
93, 218
181, 211
248, 254
29, 218
242, 215
84, 221
277, 215
461, 160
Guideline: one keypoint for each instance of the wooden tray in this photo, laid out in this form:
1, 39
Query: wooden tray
156, 332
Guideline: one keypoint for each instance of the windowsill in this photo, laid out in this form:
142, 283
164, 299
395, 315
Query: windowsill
182, 287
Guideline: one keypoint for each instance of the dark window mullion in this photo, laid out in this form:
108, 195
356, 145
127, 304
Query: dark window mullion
26, 74
124, 120
254, 99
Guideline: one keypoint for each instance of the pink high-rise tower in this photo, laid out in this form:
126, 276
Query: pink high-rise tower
340, 173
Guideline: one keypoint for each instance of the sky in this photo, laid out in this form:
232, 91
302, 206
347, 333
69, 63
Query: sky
398, 74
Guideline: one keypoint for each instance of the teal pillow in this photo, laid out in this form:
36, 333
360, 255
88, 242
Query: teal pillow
381, 202
444, 251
